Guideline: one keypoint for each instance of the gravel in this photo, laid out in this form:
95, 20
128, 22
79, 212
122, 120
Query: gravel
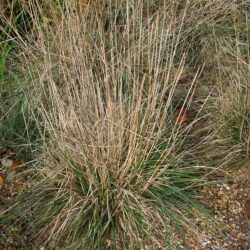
227, 203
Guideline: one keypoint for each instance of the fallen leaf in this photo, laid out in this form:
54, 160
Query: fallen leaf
17, 164
1, 181
182, 116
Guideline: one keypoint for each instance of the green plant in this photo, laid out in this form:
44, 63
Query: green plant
17, 123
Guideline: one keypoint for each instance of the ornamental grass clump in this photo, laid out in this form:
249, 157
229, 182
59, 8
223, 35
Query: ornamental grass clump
232, 106
116, 168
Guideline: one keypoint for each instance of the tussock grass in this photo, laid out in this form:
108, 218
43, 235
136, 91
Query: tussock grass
233, 103
117, 169
226, 56
113, 165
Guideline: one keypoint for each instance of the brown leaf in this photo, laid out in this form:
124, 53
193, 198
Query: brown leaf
1, 181
17, 164
182, 116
